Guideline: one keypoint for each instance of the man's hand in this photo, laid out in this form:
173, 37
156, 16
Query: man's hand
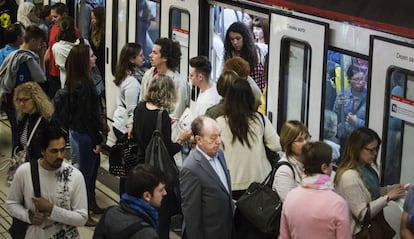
36, 218
43, 205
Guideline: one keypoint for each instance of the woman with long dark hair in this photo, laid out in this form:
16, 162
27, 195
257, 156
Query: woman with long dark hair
244, 134
239, 42
85, 124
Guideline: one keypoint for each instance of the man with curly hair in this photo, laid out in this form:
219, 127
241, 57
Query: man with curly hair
165, 59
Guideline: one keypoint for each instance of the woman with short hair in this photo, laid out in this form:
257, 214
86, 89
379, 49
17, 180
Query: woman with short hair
314, 210
293, 136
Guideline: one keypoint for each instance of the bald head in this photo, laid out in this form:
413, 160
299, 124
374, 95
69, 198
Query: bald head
206, 133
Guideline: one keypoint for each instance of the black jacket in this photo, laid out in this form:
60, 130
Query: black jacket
117, 218
85, 111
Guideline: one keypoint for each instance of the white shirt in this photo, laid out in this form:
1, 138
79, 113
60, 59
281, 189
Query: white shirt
218, 168
206, 99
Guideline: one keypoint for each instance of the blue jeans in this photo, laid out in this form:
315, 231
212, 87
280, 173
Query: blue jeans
74, 150
88, 162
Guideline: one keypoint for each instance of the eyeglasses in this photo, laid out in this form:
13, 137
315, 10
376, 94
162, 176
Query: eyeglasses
303, 139
372, 150
23, 100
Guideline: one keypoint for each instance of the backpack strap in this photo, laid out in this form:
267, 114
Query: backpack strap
159, 120
34, 168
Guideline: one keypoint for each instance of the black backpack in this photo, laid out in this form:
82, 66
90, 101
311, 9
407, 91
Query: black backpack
157, 155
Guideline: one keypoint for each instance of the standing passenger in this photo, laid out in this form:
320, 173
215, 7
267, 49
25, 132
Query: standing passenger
160, 95
62, 206
145, 189
357, 181
244, 136
23, 65
206, 185
199, 74
165, 59
130, 59
314, 210
407, 217
85, 124
293, 136
239, 42
97, 37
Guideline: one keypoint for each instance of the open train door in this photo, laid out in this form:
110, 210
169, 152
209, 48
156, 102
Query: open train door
179, 21
392, 116
296, 70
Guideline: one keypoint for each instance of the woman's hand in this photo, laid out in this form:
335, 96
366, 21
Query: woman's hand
397, 191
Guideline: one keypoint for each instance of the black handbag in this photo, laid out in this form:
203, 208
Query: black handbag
123, 156
261, 205
375, 228
271, 155
157, 155
18, 227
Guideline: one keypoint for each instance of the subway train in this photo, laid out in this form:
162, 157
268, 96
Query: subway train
310, 48
313, 50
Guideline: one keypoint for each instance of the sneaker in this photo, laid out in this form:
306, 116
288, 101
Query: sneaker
91, 222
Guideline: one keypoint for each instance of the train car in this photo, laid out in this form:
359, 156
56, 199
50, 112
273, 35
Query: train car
311, 49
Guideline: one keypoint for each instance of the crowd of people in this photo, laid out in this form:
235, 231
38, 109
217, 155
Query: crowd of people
59, 102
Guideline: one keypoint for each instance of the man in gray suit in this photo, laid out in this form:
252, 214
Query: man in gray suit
207, 204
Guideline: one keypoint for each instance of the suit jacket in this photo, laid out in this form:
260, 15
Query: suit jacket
207, 206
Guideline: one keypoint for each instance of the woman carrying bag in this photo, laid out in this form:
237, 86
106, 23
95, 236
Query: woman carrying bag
357, 182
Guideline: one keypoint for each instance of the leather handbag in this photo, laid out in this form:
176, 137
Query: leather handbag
375, 228
123, 156
261, 205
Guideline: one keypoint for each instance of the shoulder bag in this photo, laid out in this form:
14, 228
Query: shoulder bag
375, 228
20, 157
271, 155
18, 228
261, 205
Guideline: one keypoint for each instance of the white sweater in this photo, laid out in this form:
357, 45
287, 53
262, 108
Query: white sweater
64, 187
247, 165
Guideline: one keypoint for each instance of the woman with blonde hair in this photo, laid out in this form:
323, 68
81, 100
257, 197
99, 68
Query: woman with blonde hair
32, 104
293, 136
161, 95
357, 181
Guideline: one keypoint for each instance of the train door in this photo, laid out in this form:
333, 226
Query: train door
296, 71
115, 38
392, 90
180, 20
393, 77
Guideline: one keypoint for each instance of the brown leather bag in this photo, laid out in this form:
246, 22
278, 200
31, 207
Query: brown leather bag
375, 228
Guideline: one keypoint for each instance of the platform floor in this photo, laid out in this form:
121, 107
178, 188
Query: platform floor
106, 186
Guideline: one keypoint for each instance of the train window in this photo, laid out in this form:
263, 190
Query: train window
345, 99
294, 75
119, 30
397, 164
179, 31
147, 27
